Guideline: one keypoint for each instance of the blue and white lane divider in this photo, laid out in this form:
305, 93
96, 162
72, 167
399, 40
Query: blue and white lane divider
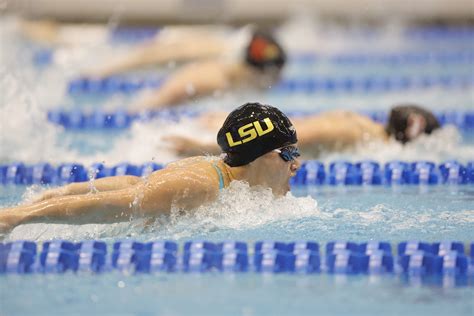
389, 59
132, 34
437, 33
393, 59
414, 258
311, 173
43, 57
120, 119
317, 84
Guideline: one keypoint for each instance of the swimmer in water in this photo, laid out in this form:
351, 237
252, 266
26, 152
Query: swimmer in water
258, 65
330, 131
221, 60
176, 45
259, 147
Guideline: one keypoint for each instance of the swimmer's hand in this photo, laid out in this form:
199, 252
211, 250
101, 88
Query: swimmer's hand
8, 221
185, 146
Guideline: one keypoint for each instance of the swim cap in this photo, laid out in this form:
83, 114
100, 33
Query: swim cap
264, 52
398, 121
253, 130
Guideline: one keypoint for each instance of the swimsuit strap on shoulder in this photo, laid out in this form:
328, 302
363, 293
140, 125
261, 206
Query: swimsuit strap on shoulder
221, 177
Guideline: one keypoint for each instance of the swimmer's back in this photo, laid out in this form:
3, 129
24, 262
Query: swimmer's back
336, 130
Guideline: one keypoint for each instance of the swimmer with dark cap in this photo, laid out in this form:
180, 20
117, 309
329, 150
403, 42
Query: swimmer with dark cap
216, 59
258, 67
329, 131
259, 147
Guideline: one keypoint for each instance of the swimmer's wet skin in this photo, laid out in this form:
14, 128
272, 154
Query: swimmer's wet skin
259, 68
259, 146
330, 131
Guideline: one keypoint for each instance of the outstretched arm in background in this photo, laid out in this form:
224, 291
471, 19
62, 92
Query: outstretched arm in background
187, 147
191, 81
162, 51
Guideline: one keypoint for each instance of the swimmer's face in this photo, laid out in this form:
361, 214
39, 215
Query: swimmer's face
279, 170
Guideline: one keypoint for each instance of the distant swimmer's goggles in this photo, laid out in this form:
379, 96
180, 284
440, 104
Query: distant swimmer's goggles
288, 153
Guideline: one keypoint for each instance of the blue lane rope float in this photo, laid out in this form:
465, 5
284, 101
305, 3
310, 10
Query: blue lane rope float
114, 120
437, 33
413, 258
43, 57
120, 119
389, 59
311, 173
132, 34
319, 84
136, 34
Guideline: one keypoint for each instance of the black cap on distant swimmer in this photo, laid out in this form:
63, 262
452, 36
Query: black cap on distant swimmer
264, 52
253, 130
407, 121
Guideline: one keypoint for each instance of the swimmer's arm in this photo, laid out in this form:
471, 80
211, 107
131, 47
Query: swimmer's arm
139, 57
87, 208
45, 32
186, 146
191, 81
101, 185
325, 132
160, 52
182, 190
157, 196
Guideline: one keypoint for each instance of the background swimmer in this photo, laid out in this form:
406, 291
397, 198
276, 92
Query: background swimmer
259, 145
329, 131
222, 59
260, 67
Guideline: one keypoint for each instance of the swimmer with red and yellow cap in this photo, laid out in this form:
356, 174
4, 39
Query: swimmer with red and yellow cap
258, 65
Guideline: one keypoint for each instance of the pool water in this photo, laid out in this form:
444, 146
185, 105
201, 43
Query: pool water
341, 213
216, 294
319, 213
322, 214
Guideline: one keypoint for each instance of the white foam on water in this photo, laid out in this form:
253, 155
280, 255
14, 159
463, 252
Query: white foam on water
304, 32
240, 207
25, 133
443, 144
147, 141
240, 210
395, 220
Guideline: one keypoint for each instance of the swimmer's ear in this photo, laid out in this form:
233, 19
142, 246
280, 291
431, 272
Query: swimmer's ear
416, 125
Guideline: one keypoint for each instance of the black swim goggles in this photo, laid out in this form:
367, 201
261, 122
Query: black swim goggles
288, 153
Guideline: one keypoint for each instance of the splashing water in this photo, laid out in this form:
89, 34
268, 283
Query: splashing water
254, 214
238, 208
443, 144
26, 135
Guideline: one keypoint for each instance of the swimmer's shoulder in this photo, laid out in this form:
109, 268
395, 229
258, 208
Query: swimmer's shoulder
196, 162
198, 173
